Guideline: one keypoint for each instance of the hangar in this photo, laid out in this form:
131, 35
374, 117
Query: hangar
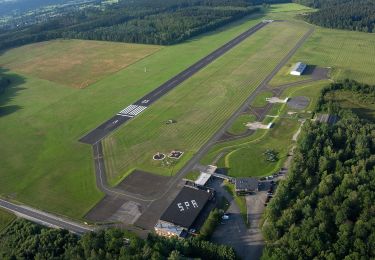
298, 69
181, 214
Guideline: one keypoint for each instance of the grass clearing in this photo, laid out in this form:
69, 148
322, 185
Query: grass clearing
347, 100
44, 166
76, 63
245, 158
239, 126
193, 175
250, 160
42, 162
211, 95
260, 99
5, 219
349, 54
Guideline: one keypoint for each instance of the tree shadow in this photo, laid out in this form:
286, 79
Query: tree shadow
13, 85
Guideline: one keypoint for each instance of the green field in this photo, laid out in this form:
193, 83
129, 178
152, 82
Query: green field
348, 54
245, 157
75, 63
200, 105
5, 219
43, 165
239, 126
41, 119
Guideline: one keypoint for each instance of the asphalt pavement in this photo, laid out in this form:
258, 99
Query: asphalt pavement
119, 119
44, 218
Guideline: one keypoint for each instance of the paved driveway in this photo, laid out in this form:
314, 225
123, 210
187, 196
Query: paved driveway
248, 243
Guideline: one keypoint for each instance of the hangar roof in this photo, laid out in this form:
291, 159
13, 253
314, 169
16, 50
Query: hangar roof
186, 207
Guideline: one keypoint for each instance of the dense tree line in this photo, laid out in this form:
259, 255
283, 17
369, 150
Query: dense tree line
141, 21
25, 240
358, 15
325, 208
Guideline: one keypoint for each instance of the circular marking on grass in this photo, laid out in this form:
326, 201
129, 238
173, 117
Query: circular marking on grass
300, 102
175, 154
158, 157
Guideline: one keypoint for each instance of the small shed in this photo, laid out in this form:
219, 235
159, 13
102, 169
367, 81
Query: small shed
298, 69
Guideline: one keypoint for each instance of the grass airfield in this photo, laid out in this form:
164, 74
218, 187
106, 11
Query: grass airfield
43, 164
75, 63
41, 119
200, 105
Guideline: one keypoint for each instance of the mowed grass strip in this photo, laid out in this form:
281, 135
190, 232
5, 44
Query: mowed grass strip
75, 63
42, 162
200, 105
239, 126
349, 54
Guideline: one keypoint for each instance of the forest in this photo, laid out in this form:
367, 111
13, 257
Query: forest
356, 15
325, 209
145, 21
26, 240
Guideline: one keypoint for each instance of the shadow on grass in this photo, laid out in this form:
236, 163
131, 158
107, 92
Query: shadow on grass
309, 70
11, 86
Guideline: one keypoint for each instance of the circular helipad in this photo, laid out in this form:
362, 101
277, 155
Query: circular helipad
298, 102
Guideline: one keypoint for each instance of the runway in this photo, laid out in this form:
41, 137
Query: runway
139, 106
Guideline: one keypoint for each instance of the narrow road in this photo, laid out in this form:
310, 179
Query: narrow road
44, 218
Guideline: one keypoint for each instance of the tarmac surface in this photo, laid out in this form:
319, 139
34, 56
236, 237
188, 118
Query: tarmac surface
116, 121
150, 207
44, 218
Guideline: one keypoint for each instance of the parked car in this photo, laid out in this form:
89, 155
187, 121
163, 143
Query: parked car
225, 217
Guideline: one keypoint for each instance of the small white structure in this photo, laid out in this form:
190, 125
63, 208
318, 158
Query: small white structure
277, 100
298, 69
268, 21
203, 179
258, 125
205, 175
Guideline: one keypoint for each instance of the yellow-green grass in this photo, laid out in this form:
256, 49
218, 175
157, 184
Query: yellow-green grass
244, 157
239, 126
5, 219
349, 54
348, 100
200, 105
193, 175
250, 160
284, 77
260, 99
290, 7
42, 162
76, 63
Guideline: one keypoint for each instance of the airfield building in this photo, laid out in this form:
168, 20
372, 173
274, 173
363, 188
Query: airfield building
179, 218
298, 69
245, 186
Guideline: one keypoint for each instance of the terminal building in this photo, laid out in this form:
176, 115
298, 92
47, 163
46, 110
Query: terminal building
179, 218
298, 69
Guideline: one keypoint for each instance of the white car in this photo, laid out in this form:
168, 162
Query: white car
225, 217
